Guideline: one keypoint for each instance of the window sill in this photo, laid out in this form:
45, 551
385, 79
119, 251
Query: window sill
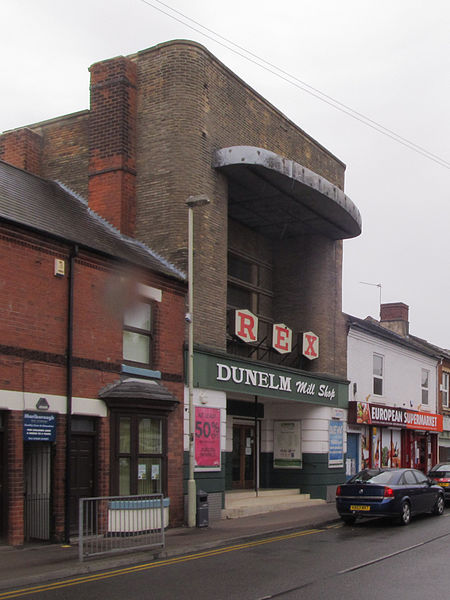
141, 372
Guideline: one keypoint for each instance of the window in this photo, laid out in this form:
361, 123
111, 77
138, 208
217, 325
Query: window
444, 389
138, 334
250, 287
378, 361
425, 384
421, 478
140, 457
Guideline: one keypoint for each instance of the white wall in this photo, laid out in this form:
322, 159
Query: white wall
402, 373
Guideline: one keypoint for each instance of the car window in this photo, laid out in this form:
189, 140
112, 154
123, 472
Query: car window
421, 478
408, 478
372, 477
440, 471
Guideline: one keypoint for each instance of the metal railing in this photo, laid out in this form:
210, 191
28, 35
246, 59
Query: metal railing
113, 524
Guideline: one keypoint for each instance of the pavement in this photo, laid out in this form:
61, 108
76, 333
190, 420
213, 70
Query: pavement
39, 563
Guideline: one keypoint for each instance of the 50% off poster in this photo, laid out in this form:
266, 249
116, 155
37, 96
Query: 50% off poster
207, 437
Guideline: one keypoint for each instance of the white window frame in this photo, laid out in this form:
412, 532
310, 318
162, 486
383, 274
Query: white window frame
444, 388
425, 386
376, 376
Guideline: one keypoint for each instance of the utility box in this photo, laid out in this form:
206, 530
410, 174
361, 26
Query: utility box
202, 515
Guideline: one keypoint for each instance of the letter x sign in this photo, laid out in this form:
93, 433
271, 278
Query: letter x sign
310, 345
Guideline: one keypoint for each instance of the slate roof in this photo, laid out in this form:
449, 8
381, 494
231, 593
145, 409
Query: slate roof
373, 327
52, 209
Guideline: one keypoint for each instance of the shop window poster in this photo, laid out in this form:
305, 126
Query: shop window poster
207, 438
287, 445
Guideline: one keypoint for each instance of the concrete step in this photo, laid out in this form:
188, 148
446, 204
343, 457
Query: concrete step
238, 496
257, 508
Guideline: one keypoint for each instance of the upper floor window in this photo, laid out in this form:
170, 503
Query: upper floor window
425, 385
378, 373
444, 389
138, 334
250, 287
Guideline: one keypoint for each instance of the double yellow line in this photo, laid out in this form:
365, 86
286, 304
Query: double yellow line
153, 565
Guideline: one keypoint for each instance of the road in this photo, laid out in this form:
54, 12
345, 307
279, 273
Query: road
372, 560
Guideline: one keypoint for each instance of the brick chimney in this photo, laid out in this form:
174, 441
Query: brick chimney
395, 316
112, 142
22, 148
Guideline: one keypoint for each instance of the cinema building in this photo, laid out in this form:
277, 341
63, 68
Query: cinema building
270, 371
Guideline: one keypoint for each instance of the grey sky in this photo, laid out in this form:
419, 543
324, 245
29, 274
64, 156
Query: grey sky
389, 60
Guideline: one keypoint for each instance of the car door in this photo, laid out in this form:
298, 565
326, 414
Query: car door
426, 493
412, 489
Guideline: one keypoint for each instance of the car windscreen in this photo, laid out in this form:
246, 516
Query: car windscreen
441, 471
372, 477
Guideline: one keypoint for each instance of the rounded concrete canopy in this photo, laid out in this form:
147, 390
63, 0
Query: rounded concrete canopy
280, 198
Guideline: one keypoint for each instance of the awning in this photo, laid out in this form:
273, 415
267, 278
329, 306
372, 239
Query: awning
280, 198
138, 393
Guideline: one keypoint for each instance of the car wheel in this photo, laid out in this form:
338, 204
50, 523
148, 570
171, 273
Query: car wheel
405, 513
349, 520
438, 507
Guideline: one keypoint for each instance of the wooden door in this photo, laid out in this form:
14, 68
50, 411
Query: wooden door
243, 457
82, 465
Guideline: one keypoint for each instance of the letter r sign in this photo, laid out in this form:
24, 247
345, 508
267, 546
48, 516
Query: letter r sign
282, 338
246, 326
310, 345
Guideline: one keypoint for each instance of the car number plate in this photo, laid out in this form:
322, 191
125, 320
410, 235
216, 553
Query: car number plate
444, 484
359, 507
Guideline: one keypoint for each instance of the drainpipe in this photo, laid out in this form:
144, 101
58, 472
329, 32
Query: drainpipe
69, 371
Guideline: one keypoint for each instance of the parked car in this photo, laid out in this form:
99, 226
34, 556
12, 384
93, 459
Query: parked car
398, 493
440, 474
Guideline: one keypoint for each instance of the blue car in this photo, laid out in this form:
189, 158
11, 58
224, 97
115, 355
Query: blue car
397, 493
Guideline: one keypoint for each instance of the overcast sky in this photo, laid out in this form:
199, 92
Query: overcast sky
388, 60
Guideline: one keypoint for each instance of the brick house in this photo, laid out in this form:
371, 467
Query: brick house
91, 335
270, 376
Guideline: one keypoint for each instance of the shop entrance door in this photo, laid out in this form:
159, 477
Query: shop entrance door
421, 455
243, 457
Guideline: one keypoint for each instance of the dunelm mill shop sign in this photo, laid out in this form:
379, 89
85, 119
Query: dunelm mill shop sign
234, 375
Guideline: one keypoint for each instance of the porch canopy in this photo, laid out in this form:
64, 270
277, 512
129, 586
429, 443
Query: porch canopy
280, 198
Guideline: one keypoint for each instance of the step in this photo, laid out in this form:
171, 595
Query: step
237, 496
257, 507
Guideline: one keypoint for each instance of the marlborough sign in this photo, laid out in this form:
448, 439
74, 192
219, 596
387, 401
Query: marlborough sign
366, 413
223, 373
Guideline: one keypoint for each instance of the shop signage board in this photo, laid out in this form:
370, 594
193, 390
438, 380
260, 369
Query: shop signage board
262, 379
336, 444
287, 445
366, 413
39, 427
207, 438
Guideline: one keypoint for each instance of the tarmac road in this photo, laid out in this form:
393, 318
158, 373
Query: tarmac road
374, 559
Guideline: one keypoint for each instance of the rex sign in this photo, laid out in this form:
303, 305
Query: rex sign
246, 329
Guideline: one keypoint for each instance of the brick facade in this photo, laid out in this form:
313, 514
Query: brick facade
146, 144
33, 334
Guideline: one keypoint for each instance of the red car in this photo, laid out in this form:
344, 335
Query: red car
440, 474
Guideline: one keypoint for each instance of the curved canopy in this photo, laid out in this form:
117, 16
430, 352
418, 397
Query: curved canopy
280, 198
138, 393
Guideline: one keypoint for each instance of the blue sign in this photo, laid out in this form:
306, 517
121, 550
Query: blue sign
336, 444
39, 427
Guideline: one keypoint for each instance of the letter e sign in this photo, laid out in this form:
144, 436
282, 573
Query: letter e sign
281, 338
246, 326
310, 345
